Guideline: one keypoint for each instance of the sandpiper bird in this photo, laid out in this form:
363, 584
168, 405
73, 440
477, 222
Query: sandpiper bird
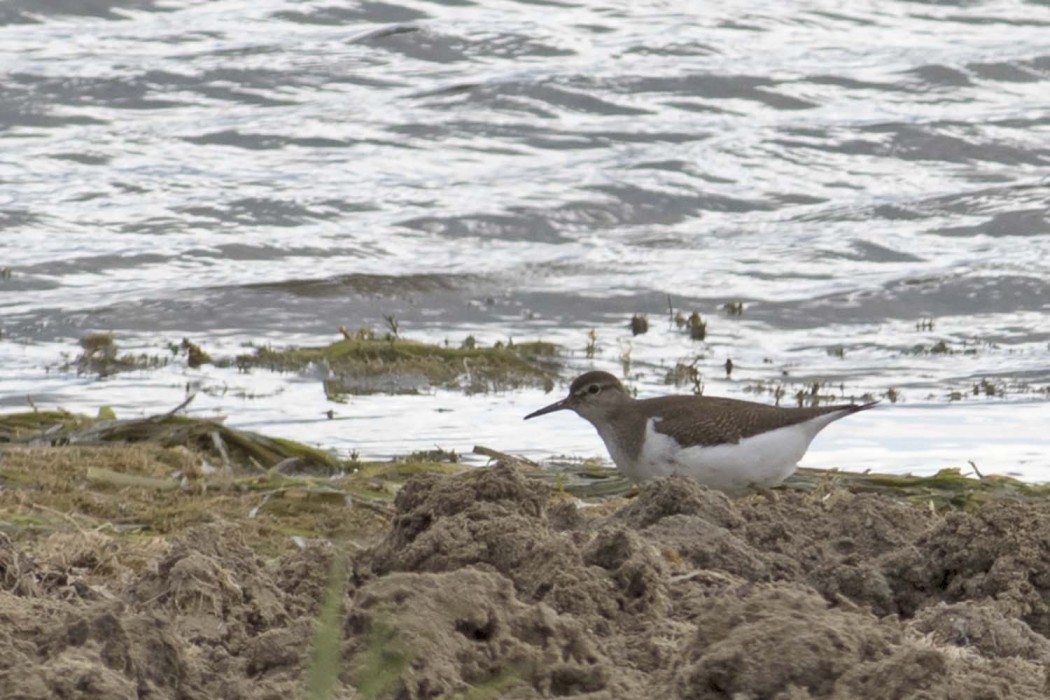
727, 444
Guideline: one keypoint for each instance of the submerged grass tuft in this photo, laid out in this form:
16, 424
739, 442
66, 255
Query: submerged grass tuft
639, 324
362, 364
101, 356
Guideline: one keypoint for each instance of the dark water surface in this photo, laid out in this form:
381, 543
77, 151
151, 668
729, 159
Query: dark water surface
267, 171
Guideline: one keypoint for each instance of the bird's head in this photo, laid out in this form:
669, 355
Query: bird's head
591, 395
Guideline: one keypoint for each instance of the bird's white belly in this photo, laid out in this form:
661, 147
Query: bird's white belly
762, 460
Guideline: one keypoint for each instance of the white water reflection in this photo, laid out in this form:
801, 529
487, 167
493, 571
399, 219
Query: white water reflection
265, 172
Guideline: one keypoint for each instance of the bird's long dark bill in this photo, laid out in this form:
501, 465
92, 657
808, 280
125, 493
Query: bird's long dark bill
556, 406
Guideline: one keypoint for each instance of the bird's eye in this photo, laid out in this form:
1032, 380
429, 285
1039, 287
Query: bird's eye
593, 389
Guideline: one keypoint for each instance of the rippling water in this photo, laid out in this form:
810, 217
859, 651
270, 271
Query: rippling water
266, 171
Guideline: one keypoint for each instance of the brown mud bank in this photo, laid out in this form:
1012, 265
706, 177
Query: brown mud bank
491, 584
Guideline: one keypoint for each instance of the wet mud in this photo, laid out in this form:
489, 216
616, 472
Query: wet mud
491, 584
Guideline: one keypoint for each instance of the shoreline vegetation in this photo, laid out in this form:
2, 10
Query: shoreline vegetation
171, 461
183, 558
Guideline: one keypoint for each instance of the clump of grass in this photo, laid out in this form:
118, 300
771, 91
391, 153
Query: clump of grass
686, 374
592, 344
697, 326
98, 344
693, 324
36, 425
363, 364
809, 393
60, 470
734, 308
775, 389
334, 391
435, 455
940, 348
195, 356
322, 671
221, 443
385, 659
924, 324
101, 356
987, 388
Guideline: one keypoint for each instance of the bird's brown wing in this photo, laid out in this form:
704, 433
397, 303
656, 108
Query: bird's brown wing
730, 420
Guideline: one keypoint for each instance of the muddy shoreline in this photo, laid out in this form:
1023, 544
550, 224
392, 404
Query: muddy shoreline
491, 583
